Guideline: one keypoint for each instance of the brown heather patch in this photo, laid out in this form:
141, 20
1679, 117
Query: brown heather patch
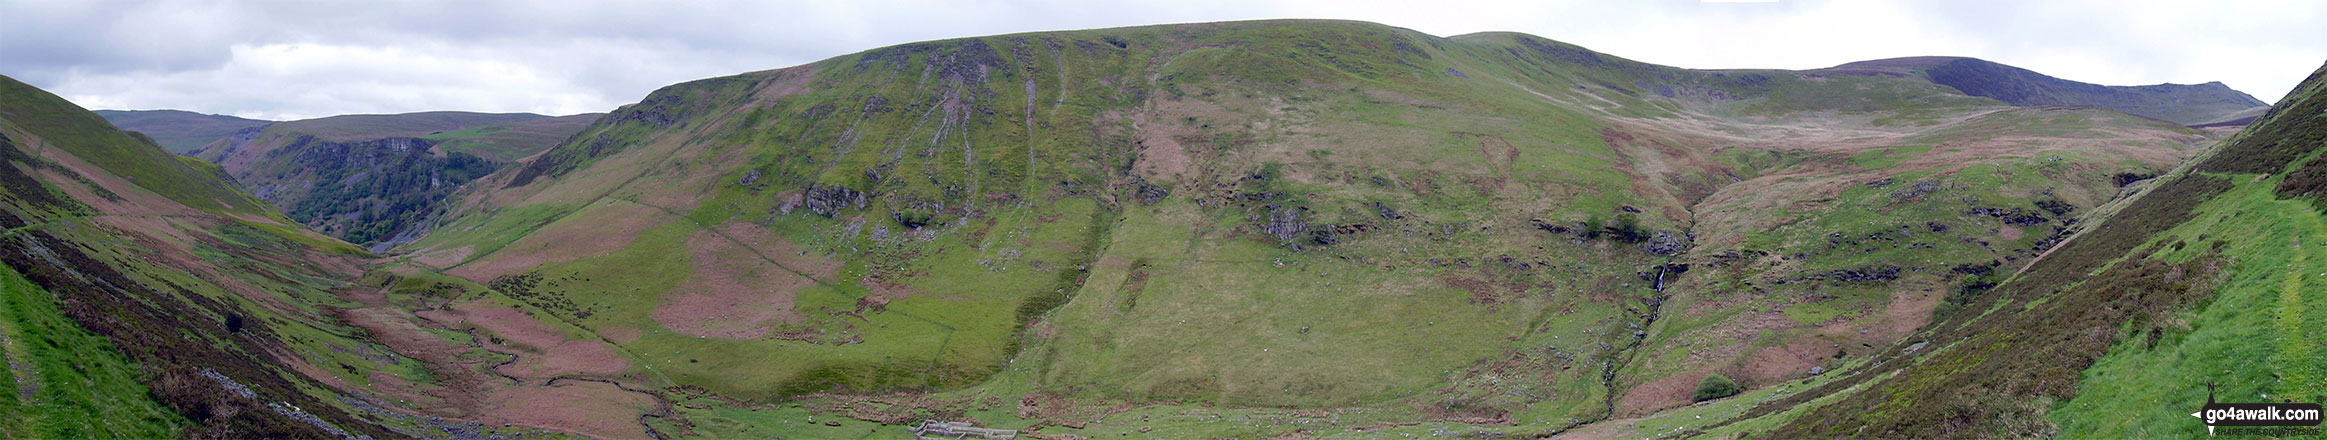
733, 294
597, 230
1162, 156
620, 335
1657, 395
775, 247
595, 409
1780, 362
546, 352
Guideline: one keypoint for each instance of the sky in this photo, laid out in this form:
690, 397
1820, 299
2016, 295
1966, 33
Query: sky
304, 59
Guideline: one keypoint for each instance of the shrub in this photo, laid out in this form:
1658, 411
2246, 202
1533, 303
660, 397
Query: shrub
1714, 387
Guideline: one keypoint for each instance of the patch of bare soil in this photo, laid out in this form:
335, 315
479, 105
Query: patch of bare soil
1053, 409
468, 388
1658, 395
1163, 157
443, 257
597, 230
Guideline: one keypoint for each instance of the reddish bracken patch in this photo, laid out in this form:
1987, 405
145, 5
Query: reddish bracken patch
551, 353
734, 293
596, 230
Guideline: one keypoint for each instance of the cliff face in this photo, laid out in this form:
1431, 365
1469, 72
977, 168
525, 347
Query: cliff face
362, 191
371, 178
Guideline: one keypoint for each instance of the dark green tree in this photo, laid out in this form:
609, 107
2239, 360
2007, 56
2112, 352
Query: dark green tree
1714, 387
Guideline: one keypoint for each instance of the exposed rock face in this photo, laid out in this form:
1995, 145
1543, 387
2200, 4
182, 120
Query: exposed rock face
1286, 223
827, 200
1868, 274
1667, 242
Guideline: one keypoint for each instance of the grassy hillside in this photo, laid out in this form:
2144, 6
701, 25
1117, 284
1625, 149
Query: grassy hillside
1277, 223
362, 127
2191, 287
505, 142
132, 314
77, 132
1252, 229
179, 131
65, 382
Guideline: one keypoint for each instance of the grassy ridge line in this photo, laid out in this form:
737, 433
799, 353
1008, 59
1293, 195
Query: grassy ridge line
178, 131
83, 134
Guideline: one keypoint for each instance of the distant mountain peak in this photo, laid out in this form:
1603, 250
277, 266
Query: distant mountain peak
2186, 104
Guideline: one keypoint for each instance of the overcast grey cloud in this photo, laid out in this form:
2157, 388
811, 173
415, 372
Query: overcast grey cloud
288, 60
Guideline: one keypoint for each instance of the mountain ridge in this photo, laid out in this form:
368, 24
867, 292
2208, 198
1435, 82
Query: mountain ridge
887, 167
2214, 102
178, 130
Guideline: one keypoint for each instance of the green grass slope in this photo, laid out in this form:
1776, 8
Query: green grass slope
509, 141
130, 314
1280, 223
118, 292
65, 382
361, 127
85, 135
179, 131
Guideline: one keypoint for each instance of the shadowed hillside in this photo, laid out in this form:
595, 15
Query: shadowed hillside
179, 131
369, 178
2194, 104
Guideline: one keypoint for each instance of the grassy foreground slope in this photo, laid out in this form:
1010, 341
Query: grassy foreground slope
1283, 223
115, 245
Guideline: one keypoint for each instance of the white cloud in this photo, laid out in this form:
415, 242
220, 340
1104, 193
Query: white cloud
282, 59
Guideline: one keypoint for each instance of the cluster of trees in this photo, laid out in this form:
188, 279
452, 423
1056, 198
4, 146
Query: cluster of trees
1626, 228
371, 197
